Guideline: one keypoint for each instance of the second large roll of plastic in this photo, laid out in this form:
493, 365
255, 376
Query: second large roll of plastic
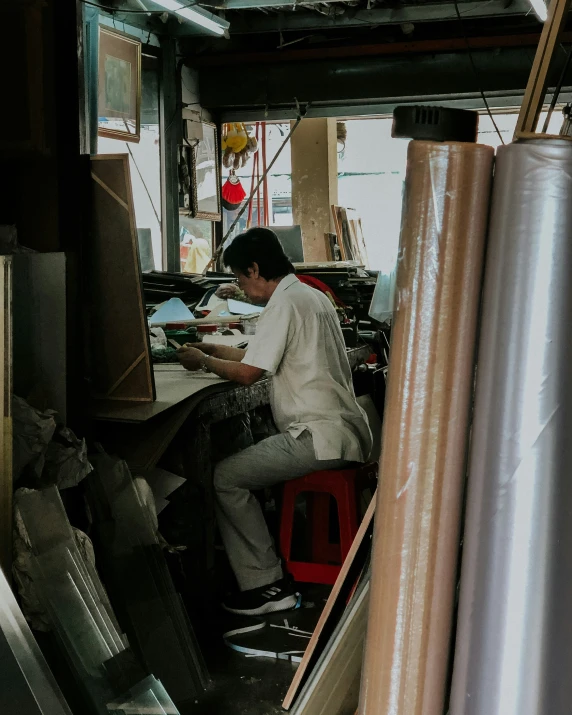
514, 644
425, 431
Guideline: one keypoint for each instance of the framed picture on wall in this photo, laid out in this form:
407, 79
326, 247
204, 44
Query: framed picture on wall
205, 174
119, 90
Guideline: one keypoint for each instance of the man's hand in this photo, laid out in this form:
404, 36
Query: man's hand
190, 358
206, 348
227, 290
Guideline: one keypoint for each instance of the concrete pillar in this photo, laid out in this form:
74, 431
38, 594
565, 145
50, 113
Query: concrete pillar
314, 182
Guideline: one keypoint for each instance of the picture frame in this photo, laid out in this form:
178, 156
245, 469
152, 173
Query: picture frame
119, 86
205, 174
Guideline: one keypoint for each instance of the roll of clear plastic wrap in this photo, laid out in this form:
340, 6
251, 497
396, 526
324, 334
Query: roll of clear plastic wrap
513, 654
425, 432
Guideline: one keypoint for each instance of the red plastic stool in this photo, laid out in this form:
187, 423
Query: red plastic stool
342, 484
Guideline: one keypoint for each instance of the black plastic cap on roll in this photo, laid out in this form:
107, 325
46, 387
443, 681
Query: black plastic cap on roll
437, 123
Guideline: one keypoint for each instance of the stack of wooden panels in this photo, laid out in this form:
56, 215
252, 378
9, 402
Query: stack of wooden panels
350, 236
118, 341
328, 679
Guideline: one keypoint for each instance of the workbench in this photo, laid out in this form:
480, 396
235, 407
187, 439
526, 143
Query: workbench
196, 420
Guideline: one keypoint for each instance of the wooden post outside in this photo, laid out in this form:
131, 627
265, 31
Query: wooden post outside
537, 82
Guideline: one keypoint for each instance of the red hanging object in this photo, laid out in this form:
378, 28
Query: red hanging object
233, 193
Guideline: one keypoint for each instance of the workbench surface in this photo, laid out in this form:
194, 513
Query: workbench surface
174, 384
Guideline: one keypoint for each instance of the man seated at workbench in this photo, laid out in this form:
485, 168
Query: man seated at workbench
299, 343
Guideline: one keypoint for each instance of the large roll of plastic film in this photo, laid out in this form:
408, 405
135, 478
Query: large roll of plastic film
425, 433
513, 654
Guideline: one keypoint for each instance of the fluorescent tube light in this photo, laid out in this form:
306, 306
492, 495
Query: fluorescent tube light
206, 19
196, 15
172, 5
540, 10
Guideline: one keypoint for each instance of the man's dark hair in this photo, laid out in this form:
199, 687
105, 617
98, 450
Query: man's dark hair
258, 245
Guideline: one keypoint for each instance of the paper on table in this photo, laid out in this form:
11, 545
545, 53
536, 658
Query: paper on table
239, 308
171, 311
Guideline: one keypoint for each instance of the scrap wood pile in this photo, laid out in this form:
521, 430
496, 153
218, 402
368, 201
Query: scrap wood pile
349, 233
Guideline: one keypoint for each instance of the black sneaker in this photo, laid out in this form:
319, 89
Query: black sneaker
277, 596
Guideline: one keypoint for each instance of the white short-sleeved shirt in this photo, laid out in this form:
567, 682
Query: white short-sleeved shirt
300, 343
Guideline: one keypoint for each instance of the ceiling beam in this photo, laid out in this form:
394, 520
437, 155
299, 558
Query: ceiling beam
423, 12
297, 17
505, 100
370, 80
454, 44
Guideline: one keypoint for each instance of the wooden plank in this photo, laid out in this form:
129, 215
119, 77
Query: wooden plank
333, 688
538, 80
6, 487
143, 444
347, 240
118, 349
339, 233
328, 247
534, 135
335, 605
172, 387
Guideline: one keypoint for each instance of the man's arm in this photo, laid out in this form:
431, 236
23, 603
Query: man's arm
232, 370
193, 359
223, 352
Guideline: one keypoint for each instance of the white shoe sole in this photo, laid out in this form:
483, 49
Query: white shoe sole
288, 603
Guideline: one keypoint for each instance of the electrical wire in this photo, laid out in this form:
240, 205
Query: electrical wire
475, 71
144, 184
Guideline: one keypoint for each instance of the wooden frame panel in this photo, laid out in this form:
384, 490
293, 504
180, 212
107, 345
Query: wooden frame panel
335, 605
119, 349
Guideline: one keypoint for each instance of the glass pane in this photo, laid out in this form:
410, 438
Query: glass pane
196, 240
145, 167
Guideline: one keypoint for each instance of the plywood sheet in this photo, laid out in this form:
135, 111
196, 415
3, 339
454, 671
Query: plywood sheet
333, 688
173, 384
119, 351
335, 605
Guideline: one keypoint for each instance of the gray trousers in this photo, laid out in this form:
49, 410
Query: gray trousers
245, 536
